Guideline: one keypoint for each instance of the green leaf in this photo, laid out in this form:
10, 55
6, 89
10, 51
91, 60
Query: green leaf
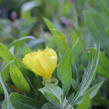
64, 71
5, 72
48, 106
3, 86
85, 103
103, 66
60, 39
88, 77
53, 94
78, 43
17, 101
34, 82
23, 102
21, 41
18, 79
93, 90
3, 79
5, 53
90, 74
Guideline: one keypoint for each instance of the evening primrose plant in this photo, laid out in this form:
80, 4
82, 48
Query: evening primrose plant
42, 62
49, 77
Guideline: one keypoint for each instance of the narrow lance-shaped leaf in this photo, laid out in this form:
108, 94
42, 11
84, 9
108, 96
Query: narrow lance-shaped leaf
59, 37
5, 53
21, 41
88, 77
18, 79
6, 104
103, 66
18, 101
5, 72
4, 87
4, 77
64, 71
93, 90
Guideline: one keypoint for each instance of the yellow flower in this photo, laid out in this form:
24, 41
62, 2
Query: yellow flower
42, 62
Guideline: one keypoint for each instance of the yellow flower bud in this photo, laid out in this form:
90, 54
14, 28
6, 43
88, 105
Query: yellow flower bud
42, 62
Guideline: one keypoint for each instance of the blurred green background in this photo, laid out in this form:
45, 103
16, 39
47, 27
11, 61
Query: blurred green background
20, 18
